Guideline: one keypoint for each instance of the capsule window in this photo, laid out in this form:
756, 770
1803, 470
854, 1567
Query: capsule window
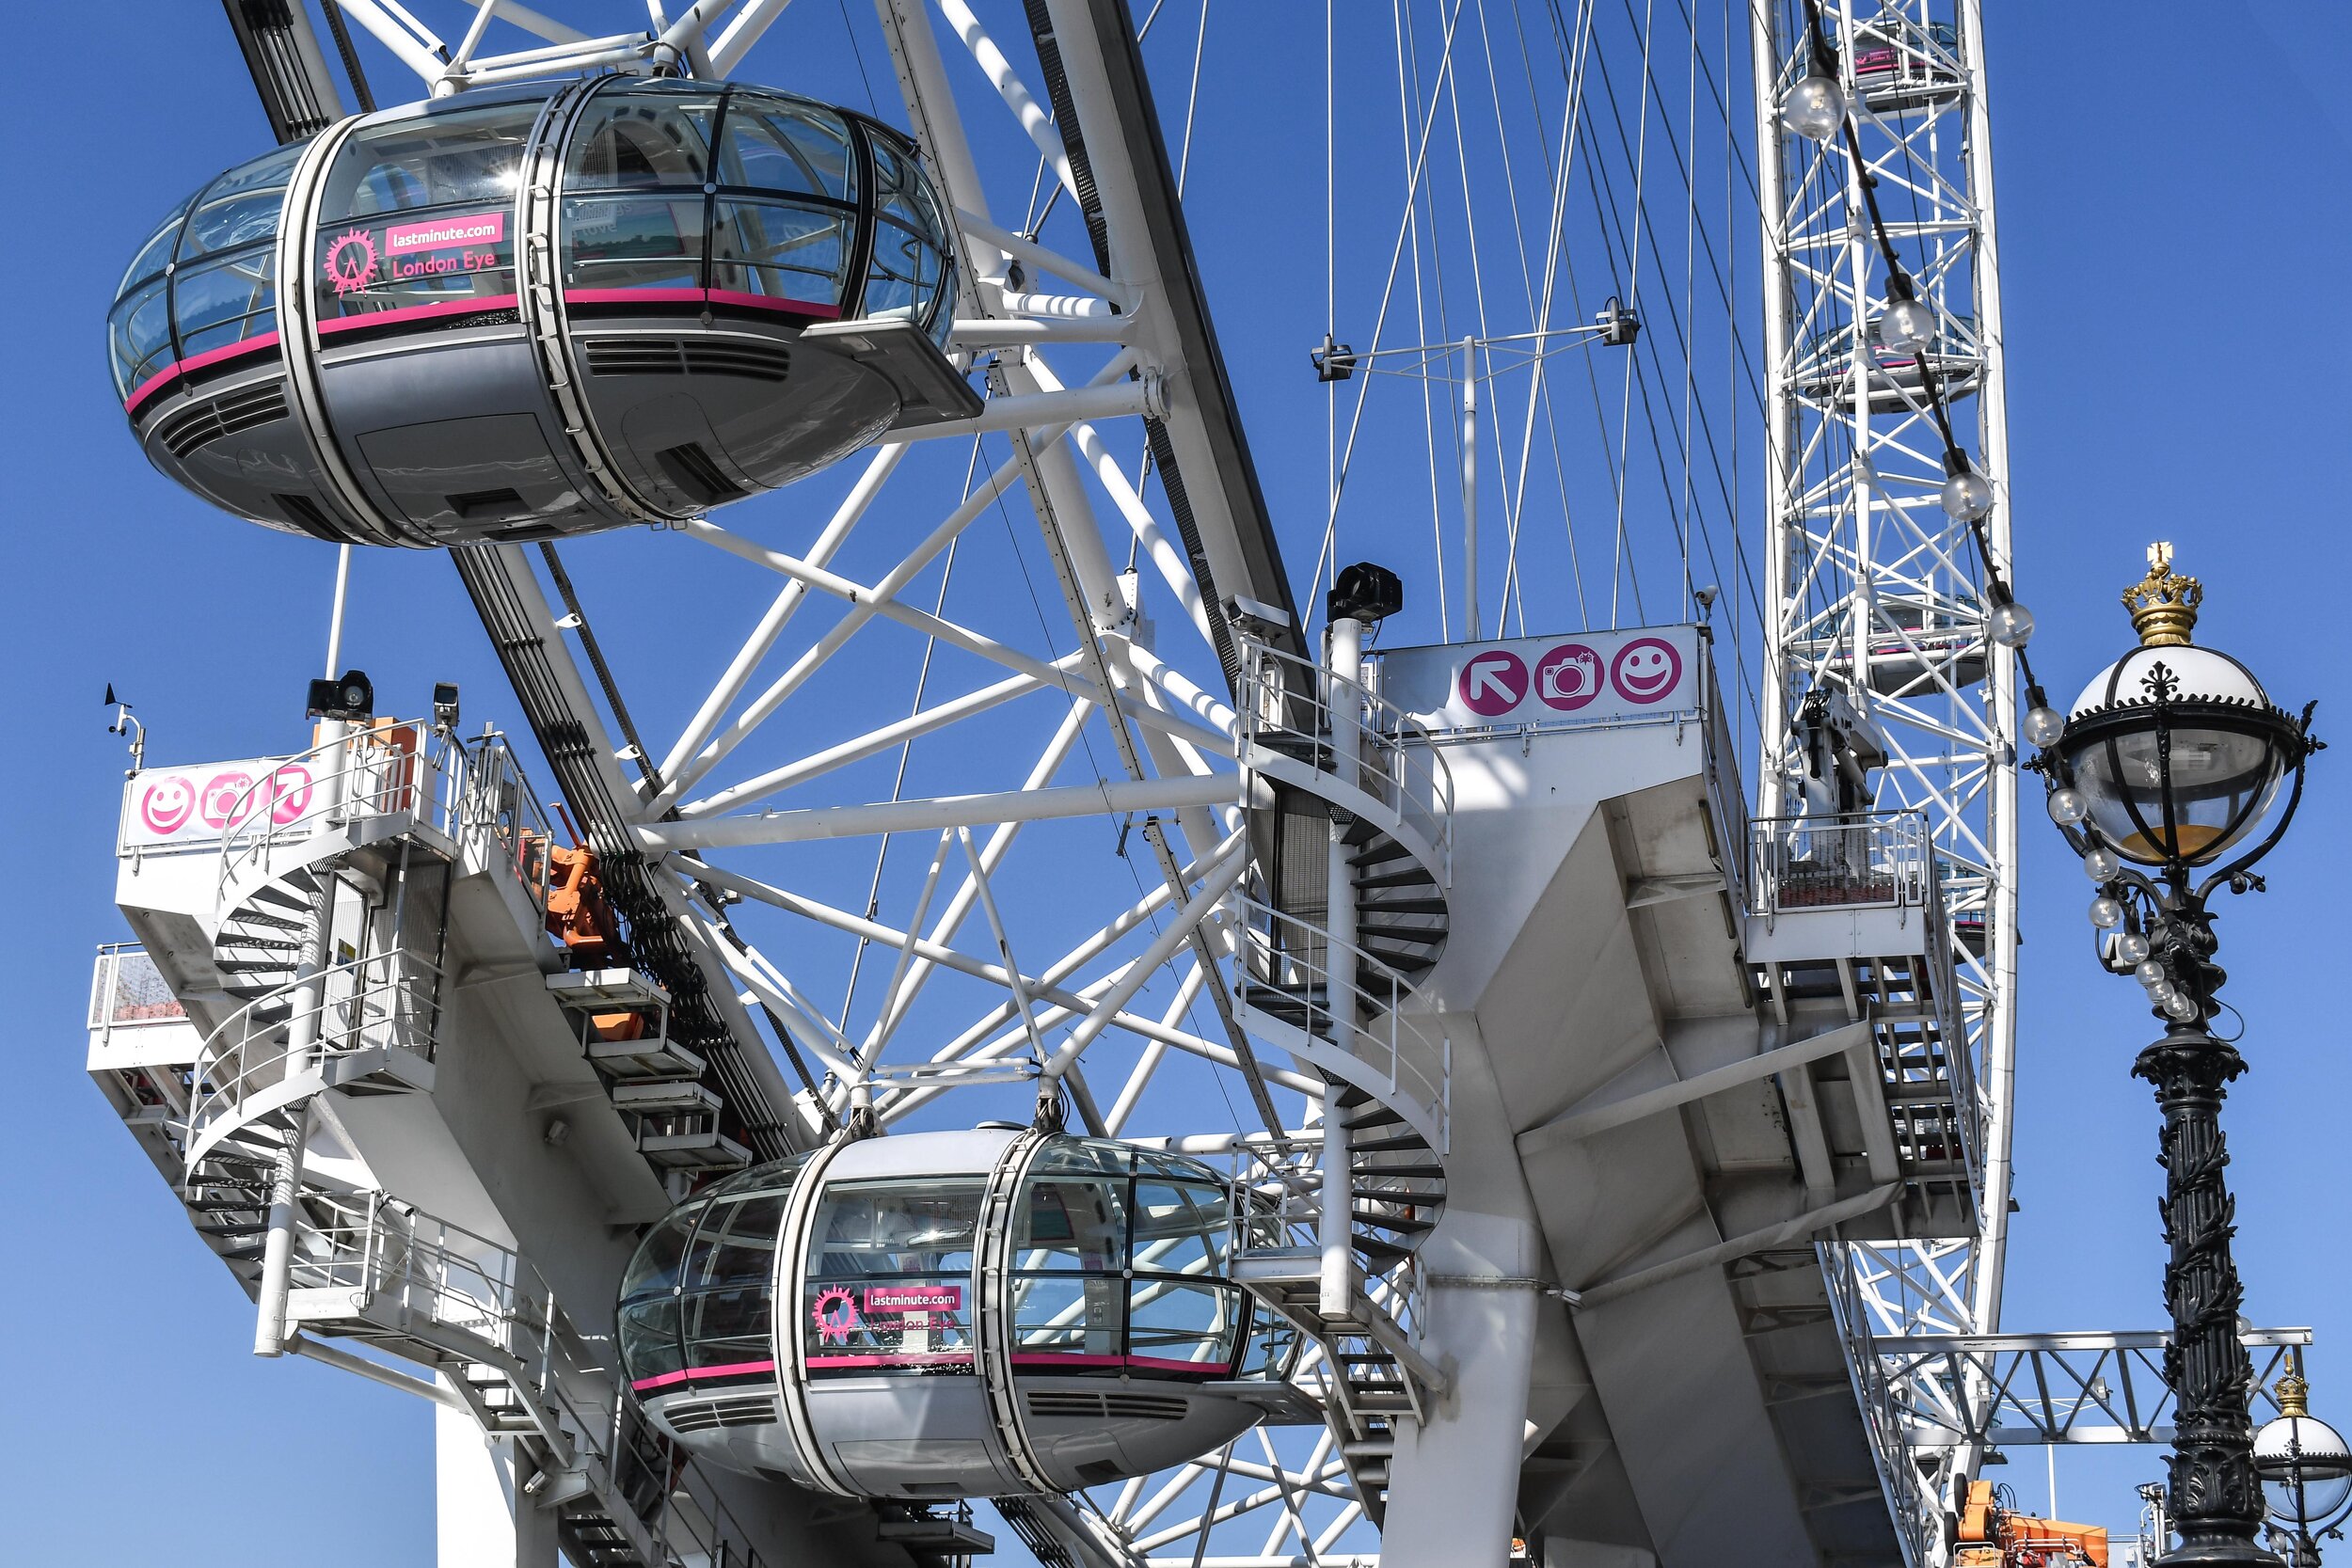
1073, 1225
223, 302
1056, 1318
889, 1276
138, 336
1175, 1323
156, 252
735, 1244
1270, 1347
420, 213
908, 271
771, 251
785, 146
654, 1271
649, 1340
727, 1330
633, 242
467, 156
630, 141
1180, 1228
242, 207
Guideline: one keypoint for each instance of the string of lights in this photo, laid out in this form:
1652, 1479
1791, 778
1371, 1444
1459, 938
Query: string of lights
1817, 109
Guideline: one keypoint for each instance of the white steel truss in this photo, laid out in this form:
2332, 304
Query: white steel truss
1873, 590
1028, 724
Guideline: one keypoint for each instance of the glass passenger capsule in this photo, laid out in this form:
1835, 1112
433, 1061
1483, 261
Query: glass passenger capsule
848, 1319
540, 310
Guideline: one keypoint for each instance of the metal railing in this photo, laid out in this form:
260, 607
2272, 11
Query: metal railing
1867, 860
378, 770
395, 1266
1289, 955
128, 992
385, 1002
1292, 707
501, 824
474, 794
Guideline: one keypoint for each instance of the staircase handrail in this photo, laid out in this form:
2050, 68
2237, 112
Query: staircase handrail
1397, 762
384, 999
381, 770
371, 1244
1413, 1050
498, 809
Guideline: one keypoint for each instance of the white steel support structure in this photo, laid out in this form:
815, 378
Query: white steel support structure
1873, 591
1441, 1373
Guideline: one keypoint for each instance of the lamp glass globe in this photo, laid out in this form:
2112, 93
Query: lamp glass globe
1816, 108
1908, 325
1967, 495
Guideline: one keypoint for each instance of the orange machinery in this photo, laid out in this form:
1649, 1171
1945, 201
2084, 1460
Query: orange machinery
580, 917
1992, 1536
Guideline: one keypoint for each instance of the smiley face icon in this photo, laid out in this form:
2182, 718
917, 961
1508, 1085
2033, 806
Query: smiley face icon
166, 804
1645, 670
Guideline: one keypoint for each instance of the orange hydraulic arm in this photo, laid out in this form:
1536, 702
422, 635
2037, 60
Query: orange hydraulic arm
1992, 1536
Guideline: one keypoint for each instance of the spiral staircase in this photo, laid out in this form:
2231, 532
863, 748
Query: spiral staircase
1378, 1045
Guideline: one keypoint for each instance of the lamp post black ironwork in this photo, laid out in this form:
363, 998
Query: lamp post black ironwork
2168, 761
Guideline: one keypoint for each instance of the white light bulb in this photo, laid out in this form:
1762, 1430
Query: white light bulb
2043, 725
2010, 626
2150, 973
2163, 993
2106, 913
1816, 108
1967, 495
1908, 325
2068, 807
2132, 947
2180, 1007
2101, 864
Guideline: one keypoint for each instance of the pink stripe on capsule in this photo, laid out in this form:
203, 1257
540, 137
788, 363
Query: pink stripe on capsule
196, 362
733, 1369
419, 312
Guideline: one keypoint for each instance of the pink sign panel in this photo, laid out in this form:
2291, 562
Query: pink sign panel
913, 1298
197, 805
466, 228
1593, 677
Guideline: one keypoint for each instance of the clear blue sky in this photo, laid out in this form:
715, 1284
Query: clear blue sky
2175, 213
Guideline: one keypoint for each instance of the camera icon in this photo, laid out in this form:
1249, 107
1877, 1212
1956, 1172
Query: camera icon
1577, 676
1568, 676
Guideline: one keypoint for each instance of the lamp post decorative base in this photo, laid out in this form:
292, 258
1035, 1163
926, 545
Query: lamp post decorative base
2217, 1496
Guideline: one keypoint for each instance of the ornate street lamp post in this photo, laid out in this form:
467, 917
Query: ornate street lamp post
2168, 761
2307, 1471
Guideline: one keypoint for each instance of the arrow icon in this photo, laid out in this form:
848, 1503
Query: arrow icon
1493, 683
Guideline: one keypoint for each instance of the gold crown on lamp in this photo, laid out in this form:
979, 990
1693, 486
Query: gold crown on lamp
2164, 604
2292, 1393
